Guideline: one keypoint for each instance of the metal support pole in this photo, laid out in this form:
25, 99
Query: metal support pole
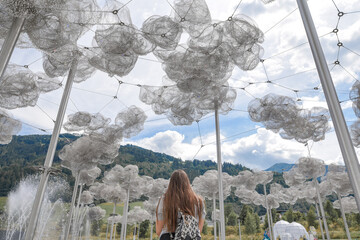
267, 213
322, 209
337, 116
107, 229
219, 163
134, 234
320, 220
9, 43
73, 199
125, 211
51, 152
112, 221
344, 218
138, 232
152, 228
76, 224
272, 224
239, 229
214, 214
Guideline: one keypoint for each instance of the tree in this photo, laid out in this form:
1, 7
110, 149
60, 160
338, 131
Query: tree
257, 222
298, 216
205, 228
144, 228
95, 227
250, 224
289, 215
232, 219
330, 211
227, 210
275, 215
244, 212
311, 217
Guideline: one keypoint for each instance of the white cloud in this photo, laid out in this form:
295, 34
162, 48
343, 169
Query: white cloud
260, 150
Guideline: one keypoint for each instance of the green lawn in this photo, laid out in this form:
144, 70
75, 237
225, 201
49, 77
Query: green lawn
2, 203
119, 207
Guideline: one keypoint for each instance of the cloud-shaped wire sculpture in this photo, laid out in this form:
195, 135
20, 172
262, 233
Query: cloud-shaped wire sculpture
282, 115
311, 168
8, 127
197, 72
88, 177
138, 215
207, 184
86, 121
96, 213
348, 204
111, 193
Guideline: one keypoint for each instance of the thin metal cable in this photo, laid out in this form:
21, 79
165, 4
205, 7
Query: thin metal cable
198, 126
351, 50
236, 8
197, 152
74, 104
105, 105
348, 72
125, 5
352, 12
85, 90
232, 136
45, 113
281, 20
335, 5
290, 49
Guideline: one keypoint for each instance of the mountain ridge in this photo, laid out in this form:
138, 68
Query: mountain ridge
24, 154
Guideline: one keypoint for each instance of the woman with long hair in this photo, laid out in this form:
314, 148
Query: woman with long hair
179, 195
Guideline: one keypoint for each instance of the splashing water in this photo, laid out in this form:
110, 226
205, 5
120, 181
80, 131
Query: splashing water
20, 201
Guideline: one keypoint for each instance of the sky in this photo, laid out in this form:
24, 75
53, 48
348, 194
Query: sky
288, 64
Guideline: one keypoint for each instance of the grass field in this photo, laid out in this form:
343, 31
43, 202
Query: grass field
119, 207
2, 203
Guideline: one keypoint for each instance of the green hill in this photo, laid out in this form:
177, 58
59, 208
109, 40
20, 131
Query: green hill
20, 158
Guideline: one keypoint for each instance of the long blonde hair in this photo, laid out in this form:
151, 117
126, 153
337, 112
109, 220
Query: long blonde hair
180, 195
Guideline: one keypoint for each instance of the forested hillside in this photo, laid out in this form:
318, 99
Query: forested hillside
25, 153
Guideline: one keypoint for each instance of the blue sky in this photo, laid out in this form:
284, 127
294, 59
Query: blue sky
288, 63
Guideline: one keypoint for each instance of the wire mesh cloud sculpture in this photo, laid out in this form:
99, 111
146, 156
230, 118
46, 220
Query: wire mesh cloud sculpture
8, 127
293, 177
157, 187
355, 127
112, 193
197, 72
207, 185
117, 42
263, 177
282, 115
348, 204
131, 121
310, 167
338, 180
245, 179
88, 177
138, 215
86, 198
86, 121
46, 27
86, 153
96, 213
18, 88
